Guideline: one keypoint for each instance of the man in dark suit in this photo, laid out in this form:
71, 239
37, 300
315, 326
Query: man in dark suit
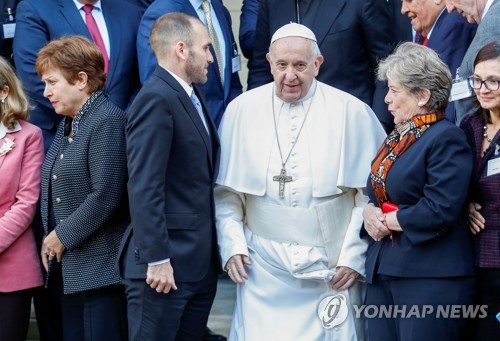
169, 260
218, 91
352, 36
449, 34
39, 22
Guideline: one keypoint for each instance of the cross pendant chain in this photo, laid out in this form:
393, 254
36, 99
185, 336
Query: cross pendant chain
282, 179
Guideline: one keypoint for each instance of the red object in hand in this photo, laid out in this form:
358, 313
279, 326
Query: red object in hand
386, 208
389, 207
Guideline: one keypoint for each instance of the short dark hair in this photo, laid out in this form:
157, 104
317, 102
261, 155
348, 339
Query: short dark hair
169, 29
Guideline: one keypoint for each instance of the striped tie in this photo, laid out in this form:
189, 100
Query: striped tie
213, 36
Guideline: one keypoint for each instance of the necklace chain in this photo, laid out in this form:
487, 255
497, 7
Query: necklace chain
283, 163
485, 127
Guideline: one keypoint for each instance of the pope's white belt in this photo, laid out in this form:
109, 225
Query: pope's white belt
282, 223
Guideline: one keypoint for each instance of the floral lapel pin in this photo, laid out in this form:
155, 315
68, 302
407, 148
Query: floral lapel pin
7, 146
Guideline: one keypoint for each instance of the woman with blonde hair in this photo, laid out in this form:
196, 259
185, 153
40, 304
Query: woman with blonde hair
21, 156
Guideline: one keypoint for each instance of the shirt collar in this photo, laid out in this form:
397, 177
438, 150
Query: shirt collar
486, 8
188, 88
434, 25
197, 3
79, 5
4, 130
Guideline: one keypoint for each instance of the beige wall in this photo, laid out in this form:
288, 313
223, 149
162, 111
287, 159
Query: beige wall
234, 7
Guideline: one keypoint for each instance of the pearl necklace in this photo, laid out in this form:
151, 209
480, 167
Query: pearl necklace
485, 127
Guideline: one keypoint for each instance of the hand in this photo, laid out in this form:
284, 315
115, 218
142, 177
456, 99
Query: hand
476, 219
54, 247
235, 268
374, 220
161, 277
44, 253
344, 278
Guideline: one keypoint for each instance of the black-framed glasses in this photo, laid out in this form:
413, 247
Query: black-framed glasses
490, 84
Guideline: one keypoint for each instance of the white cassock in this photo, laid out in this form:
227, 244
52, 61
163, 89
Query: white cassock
295, 243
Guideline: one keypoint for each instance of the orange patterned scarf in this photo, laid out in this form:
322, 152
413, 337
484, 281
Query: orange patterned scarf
398, 141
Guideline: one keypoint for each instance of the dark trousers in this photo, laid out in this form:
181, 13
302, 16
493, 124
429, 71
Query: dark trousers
417, 292
99, 314
47, 301
179, 315
487, 293
15, 310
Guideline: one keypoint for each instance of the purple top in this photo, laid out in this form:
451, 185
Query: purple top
484, 190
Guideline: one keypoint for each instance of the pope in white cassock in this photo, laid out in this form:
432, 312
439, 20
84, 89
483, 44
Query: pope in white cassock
296, 156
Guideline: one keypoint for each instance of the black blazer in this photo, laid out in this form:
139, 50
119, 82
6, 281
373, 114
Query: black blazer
85, 177
352, 36
429, 182
173, 164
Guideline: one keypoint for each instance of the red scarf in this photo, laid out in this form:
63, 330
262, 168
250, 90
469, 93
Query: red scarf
398, 141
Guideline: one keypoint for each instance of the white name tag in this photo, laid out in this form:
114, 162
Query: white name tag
236, 61
9, 30
493, 167
460, 90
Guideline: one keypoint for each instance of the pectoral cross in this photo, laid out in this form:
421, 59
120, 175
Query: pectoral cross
282, 179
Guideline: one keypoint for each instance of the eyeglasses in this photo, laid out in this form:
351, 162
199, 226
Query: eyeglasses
490, 84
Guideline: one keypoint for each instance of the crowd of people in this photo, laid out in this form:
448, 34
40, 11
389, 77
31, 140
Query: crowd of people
361, 168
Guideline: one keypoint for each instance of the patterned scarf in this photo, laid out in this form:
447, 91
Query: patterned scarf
398, 141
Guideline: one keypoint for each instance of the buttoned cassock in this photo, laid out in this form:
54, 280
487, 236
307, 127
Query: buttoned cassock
295, 243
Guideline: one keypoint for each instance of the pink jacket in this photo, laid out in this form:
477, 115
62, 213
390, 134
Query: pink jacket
19, 191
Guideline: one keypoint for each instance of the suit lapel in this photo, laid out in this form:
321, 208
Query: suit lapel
73, 17
114, 24
325, 18
190, 109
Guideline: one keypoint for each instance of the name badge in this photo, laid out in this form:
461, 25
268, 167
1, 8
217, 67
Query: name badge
493, 167
236, 61
459, 90
9, 30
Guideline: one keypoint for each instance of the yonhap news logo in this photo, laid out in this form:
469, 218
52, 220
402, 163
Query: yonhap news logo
334, 309
420, 311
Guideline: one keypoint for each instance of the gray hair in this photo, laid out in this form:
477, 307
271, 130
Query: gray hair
417, 67
168, 30
315, 51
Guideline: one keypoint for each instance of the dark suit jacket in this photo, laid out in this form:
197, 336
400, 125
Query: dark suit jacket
216, 96
248, 24
484, 189
39, 22
429, 182
450, 38
173, 164
86, 189
401, 24
352, 36
142, 4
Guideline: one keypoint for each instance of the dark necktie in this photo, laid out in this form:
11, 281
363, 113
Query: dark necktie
96, 34
420, 39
